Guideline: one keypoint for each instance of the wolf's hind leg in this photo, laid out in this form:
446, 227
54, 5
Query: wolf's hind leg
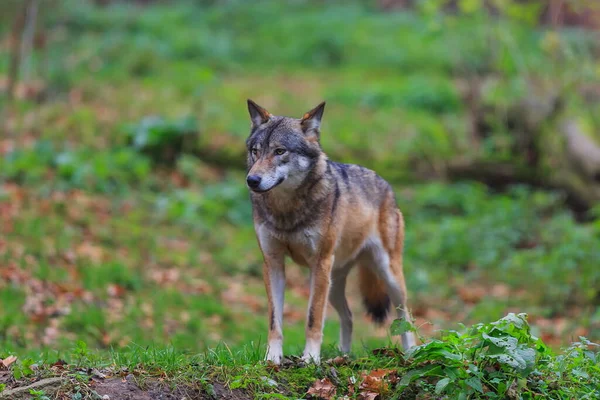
390, 272
397, 290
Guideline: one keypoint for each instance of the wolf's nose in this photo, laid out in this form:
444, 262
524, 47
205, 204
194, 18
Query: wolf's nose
253, 181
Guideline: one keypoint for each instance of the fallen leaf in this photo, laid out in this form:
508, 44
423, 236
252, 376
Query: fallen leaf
368, 395
380, 373
322, 389
351, 383
9, 360
59, 364
97, 374
115, 290
374, 382
339, 360
387, 351
271, 366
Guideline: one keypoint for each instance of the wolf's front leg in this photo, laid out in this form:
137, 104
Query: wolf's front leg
320, 281
274, 276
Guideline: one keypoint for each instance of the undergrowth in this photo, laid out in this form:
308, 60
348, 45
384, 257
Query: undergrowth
496, 360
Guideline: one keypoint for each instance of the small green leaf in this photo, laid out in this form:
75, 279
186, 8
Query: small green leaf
441, 385
210, 389
401, 326
419, 373
475, 383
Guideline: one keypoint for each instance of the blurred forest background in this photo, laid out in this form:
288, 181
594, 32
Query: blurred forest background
124, 218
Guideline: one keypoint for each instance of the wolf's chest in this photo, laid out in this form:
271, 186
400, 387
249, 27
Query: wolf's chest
304, 249
303, 246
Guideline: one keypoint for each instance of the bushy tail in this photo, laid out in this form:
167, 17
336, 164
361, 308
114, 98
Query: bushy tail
375, 298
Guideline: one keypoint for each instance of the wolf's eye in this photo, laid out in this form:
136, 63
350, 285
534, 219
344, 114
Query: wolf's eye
279, 152
254, 152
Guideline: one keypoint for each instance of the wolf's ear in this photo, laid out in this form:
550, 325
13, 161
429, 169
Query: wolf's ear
311, 121
258, 115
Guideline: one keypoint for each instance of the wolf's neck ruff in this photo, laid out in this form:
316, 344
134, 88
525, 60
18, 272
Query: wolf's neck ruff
302, 208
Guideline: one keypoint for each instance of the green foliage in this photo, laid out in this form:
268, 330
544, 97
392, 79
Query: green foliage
38, 394
400, 326
432, 93
224, 201
29, 165
11, 298
163, 140
495, 360
102, 171
576, 371
23, 368
504, 235
80, 352
501, 359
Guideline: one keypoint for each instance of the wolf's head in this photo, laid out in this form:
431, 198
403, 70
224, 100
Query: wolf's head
282, 150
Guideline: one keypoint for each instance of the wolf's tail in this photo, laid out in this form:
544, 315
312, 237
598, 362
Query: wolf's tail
375, 298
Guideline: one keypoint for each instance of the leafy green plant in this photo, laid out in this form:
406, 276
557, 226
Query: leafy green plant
23, 368
224, 201
496, 360
161, 139
38, 394
104, 171
29, 165
80, 352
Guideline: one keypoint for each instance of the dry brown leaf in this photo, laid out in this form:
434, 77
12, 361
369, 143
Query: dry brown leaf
339, 360
351, 382
387, 351
368, 395
322, 389
380, 373
9, 360
59, 364
90, 251
115, 290
374, 382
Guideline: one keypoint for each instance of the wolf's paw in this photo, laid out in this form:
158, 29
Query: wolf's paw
311, 358
312, 352
275, 356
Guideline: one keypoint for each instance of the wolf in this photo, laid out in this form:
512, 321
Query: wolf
327, 216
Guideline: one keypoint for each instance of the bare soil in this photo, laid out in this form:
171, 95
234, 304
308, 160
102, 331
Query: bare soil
128, 389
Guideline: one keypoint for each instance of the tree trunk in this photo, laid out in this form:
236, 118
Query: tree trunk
16, 38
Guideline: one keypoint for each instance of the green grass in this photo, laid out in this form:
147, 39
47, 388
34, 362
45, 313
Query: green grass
189, 271
494, 360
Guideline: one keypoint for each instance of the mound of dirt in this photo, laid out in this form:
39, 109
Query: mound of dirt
129, 389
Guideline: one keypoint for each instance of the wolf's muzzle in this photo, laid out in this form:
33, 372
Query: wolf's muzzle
253, 181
